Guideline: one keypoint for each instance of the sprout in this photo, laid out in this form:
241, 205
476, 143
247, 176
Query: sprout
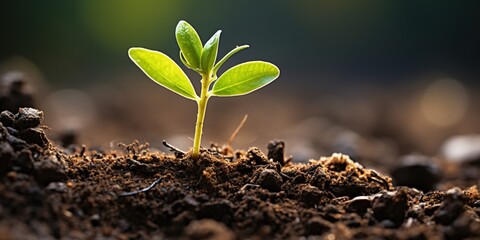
238, 80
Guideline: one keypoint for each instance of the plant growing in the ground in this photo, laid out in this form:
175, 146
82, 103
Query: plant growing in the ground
238, 80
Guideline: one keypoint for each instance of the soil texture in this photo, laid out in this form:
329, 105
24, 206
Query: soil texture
133, 192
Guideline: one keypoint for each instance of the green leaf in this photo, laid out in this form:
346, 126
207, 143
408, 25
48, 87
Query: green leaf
209, 53
189, 43
224, 59
245, 78
184, 61
163, 70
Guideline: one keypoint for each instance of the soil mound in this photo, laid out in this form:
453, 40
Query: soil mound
48, 192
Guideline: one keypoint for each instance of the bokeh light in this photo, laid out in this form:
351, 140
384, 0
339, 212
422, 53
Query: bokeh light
444, 102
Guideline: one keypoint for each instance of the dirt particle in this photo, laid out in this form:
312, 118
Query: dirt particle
451, 208
392, 206
359, 204
319, 179
67, 214
465, 226
116, 187
95, 220
3, 132
12, 131
56, 187
220, 210
338, 162
256, 155
317, 226
28, 118
276, 151
300, 178
6, 157
183, 206
310, 195
47, 171
107, 230
137, 166
24, 161
12, 175
387, 223
7, 118
70, 184
34, 136
208, 229
270, 179
17, 143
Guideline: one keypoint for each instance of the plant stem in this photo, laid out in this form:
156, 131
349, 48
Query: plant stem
202, 106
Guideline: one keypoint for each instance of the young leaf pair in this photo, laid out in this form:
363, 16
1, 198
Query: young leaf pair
238, 80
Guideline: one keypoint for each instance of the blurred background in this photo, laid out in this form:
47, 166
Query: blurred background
373, 79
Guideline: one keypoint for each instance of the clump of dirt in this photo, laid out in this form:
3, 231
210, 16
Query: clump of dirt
15, 92
133, 193
25, 148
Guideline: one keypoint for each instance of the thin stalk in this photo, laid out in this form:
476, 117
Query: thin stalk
202, 107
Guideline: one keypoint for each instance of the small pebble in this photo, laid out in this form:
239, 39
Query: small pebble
462, 148
70, 184
95, 220
417, 171
67, 214
56, 187
455, 192
387, 223
28, 118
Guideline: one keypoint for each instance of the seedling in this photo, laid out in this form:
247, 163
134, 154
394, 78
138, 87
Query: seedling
239, 80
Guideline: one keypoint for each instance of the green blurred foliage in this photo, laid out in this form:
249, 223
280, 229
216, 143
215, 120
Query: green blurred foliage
118, 24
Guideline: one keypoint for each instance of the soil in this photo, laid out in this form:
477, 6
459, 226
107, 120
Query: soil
132, 192
64, 190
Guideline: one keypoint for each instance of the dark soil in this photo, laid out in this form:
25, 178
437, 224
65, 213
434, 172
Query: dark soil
49, 192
